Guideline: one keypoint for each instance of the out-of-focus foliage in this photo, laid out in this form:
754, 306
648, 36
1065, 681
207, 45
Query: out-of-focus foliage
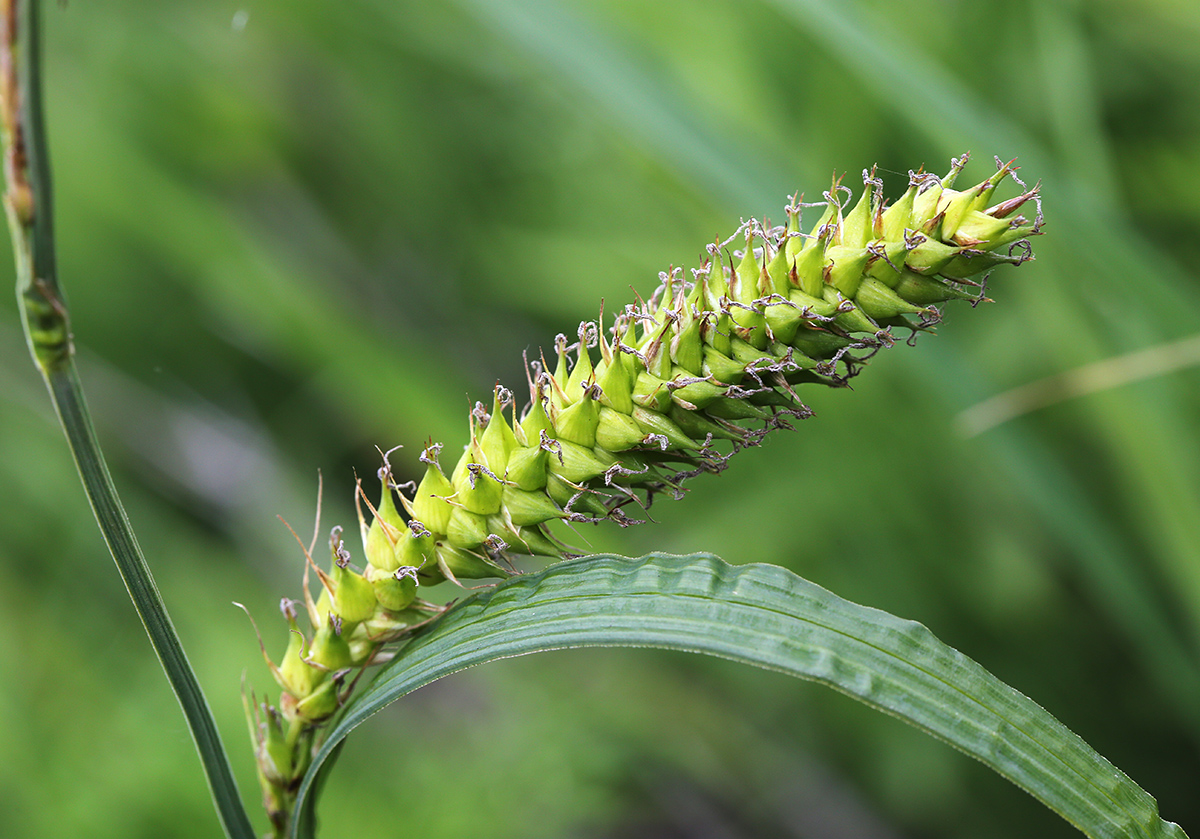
292, 231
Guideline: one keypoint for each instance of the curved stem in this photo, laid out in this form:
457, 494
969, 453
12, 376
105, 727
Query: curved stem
47, 329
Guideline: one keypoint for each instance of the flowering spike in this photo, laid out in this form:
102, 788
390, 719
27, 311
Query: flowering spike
686, 377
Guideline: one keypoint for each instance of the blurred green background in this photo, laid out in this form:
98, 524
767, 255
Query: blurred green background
292, 231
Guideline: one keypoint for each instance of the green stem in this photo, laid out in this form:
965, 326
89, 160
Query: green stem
47, 330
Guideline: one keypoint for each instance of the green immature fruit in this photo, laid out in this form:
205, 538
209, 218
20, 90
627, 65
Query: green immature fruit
294, 674
382, 537
428, 504
272, 753
330, 648
394, 591
352, 595
460, 563
318, 705
477, 488
529, 508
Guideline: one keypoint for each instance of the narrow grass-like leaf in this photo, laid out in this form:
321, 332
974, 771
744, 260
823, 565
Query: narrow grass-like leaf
644, 104
767, 616
139, 582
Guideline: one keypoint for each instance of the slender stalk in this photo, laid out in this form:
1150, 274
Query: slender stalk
47, 329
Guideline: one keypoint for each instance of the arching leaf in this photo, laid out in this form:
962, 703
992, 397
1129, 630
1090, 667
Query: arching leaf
767, 616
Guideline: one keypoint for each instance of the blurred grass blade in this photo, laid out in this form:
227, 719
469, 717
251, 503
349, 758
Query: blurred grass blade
767, 616
1143, 438
1139, 436
888, 65
635, 97
1106, 374
1105, 557
48, 334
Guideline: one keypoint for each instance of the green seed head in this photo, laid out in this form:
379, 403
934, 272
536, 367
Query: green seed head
702, 368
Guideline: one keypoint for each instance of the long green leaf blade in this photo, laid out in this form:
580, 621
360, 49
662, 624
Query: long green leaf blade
767, 616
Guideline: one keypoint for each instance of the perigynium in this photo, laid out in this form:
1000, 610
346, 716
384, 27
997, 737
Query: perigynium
708, 365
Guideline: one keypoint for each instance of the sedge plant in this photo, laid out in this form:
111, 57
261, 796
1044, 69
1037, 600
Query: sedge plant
627, 409
709, 364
